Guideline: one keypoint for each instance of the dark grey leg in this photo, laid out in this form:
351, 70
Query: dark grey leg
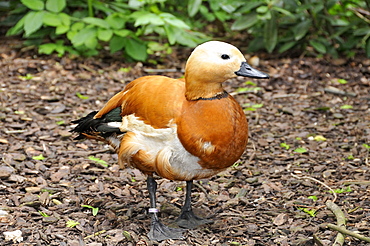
158, 231
187, 218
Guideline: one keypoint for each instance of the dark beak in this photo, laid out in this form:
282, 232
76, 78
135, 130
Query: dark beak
247, 71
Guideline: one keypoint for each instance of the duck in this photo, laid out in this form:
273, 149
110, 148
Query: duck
179, 129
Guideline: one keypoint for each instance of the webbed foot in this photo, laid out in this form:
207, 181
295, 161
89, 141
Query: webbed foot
189, 220
160, 232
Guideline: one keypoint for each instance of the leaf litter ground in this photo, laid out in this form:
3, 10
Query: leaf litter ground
311, 123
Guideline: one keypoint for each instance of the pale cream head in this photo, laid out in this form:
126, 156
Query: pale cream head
209, 65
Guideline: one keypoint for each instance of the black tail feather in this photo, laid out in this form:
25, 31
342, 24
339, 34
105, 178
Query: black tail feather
90, 126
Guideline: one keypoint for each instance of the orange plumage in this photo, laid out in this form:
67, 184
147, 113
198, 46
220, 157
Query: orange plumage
180, 129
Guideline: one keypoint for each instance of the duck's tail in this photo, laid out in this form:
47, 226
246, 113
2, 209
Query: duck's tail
104, 129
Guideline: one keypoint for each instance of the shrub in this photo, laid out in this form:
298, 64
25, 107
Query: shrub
329, 27
139, 27
84, 28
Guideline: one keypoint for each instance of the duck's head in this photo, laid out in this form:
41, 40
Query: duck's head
212, 63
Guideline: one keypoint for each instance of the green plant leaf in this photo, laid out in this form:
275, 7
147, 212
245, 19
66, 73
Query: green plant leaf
33, 4
116, 43
79, 95
77, 26
346, 106
300, 150
342, 190
301, 29
367, 146
61, 29
82, 36
172, 33
66, 19
55, 5
93, 209
33, 22
115, 21
72, 223
43, 214
342, 81
319, 138
245, 21
104, 34
284, 145
99, 161
287, 46
172, 20
143, 18
262, 9
47, 48
122, 33
51, 19
96, 22
17, 29
136, 49
312, 197
193, 7
91, 42
318, 46
311, 212
270, 34
38, 157
61, 122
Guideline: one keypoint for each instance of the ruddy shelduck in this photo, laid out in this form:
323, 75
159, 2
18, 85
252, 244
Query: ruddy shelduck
180, 129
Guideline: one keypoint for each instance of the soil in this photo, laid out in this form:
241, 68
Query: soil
309, 144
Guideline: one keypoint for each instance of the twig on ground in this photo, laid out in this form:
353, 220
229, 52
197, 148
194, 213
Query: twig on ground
341, 221
317, 181
348, 232
199, 186
95, 234
317, 240
358, 182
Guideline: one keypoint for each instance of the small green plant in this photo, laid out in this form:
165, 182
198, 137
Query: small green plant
252, 107
43, 214
319, 138
39, 157
300, 150
310, 211
27, 77
342, 190
346, 106
93, 209
236, 164
366, 146
350, 157
313, 198
178, 188
324, 27
84, 29
285, 145
72, 223
342, 81
79, 95
133, 180
61, 122
99, 161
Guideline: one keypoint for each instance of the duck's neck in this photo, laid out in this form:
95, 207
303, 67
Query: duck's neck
196, 89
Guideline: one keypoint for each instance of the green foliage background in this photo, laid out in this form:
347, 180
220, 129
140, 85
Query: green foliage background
141, 27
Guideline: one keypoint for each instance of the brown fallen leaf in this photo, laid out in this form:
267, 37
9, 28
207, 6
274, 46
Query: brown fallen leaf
280, 219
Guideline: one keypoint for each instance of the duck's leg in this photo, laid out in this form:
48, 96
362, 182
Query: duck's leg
158, 231
187, 218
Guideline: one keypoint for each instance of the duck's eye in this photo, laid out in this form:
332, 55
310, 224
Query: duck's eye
225, 57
